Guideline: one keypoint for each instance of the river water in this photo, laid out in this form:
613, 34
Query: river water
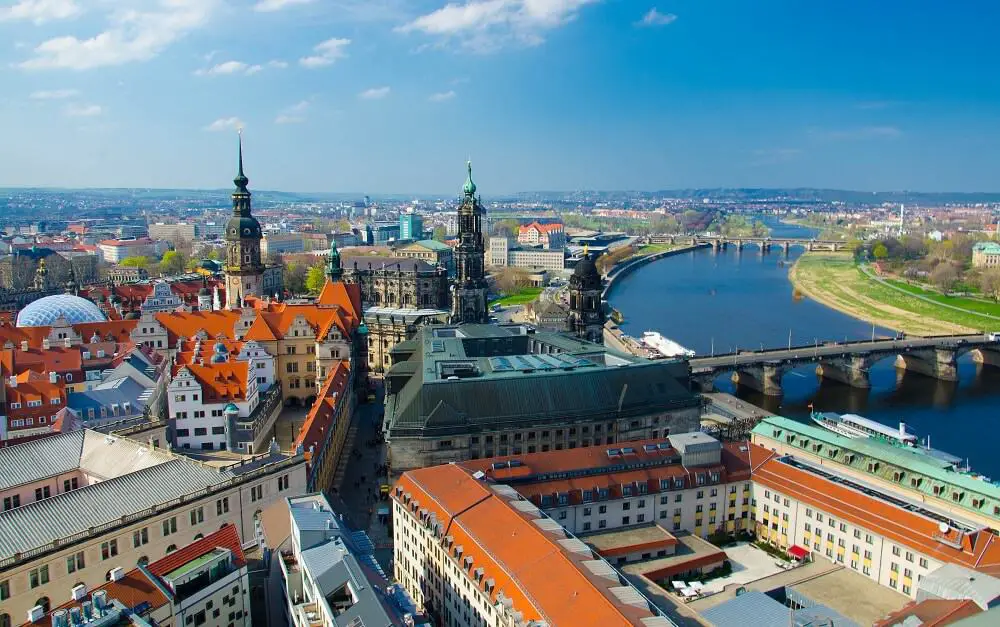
730, 300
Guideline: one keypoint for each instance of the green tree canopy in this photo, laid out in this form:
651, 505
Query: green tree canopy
440, 233
173, 262
315, 280
135, 262
880, 251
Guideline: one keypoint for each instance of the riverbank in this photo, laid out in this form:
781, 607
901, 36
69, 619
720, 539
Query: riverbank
834, 280
632, 263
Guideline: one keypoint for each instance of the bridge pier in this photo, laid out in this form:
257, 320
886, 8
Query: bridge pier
739, 245
766, 378
717, 245
852, 371
765, 247
986, 357
785, 246
938, 363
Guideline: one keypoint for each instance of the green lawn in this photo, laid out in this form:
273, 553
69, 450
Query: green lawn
523, 296
835, 280
972, 304
652, 249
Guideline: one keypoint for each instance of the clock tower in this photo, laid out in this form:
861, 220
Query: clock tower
244, 268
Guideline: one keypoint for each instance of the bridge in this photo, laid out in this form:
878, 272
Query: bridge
763, 243
847, 362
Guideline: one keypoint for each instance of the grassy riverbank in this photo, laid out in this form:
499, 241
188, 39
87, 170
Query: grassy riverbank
834, 280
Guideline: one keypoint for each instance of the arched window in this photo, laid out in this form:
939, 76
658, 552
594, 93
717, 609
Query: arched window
143, 561
44, 603
171, 549
199, 536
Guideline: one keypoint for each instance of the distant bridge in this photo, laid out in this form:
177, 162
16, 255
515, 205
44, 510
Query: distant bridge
765, 244
847, 362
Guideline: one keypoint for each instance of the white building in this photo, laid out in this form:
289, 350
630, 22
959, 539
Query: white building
208, 397
162, 298
115, 250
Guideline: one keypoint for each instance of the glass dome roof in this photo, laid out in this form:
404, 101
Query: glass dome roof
44, 311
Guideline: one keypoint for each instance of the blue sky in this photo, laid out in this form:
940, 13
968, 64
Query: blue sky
392, 96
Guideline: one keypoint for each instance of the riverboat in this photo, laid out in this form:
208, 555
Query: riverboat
663, 348
854, 426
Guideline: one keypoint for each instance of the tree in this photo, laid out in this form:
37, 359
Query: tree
295, 278
506, 228
944, 276
135, 262
440, 233
173, 262
989, 283
315, 280
880, 251
510, 279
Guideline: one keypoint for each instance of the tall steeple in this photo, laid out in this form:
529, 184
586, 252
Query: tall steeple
586, 309
244, 268
334, 271
468, 302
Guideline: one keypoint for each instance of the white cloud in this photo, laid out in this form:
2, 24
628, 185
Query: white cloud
294, 114
83, 111
326, 53
655, 18
270, 6
226, 124
131, 35
864, 132
443, 96
488, 25
40, 11
239, 67
375, 93
54, 94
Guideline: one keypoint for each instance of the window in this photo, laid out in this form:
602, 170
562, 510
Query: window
10, 502
586, 511
895, 551
70, 484
256, 493
197, 516
169, 526
282, 483
909, 556
222, 506
906, 589
42, 493
603, 509
38, 576
923, 562
586, 526
109, 549
140, 537
218, 430
4, 590
808, 528
868, 538
857, 533
75, 562
819, 517
625, 520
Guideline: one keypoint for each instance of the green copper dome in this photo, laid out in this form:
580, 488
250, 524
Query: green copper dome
470, 187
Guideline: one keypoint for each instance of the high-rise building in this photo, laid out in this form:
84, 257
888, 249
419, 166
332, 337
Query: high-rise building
244, 268
411, 225
468, 304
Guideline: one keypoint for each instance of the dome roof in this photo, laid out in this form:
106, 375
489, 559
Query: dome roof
240, 227
585, 267
44, 311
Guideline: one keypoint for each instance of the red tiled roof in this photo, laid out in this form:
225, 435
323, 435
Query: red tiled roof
226, 538
932, 612
320, 417
980, 549
527, 564
220, 382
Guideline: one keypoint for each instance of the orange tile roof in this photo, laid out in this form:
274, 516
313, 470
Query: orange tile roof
226, 538
32, 386
528, 566
932, 612
542, 228
980, 549
112, 330
188, 324
346, 295
220, 383
320, 417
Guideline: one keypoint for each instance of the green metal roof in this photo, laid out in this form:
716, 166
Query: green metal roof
430, 244
912, 460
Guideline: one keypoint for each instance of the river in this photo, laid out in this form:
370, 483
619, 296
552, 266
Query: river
727, 300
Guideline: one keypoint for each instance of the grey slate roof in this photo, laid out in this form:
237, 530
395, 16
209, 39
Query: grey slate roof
760, 610
40, 523
952, 581
40, 459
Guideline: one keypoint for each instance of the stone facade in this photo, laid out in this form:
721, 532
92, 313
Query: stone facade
469, 302
397, 282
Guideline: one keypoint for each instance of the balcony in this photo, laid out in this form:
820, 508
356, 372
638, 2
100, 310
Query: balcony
307, 615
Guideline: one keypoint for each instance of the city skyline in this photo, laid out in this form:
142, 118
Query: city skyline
391, 97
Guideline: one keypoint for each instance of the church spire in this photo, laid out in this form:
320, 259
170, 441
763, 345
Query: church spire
241, 179
470, 186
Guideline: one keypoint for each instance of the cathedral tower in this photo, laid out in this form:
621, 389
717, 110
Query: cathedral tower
244, 268
586, 312
468, 303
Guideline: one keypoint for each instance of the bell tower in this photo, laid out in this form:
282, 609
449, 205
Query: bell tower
468, 303
586, 311
244, 268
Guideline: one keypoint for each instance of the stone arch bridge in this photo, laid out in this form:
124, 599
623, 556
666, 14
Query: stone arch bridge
765, 244
847, 362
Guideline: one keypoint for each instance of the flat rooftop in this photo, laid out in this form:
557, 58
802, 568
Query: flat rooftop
691, 552
852, 594
619, 541
196, 563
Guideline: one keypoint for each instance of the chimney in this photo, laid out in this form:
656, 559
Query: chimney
117, 573
24, 345
35, 614
53, 377
13, 382
46, 344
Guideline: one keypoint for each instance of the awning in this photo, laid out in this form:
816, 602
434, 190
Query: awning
798, 552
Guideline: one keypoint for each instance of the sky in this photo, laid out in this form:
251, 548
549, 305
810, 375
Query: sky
393, 96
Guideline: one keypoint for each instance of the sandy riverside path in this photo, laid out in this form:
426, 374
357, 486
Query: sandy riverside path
888, 317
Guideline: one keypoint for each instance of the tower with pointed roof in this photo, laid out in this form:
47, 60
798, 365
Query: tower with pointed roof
468, 303
334, 271
586, 310
243, 267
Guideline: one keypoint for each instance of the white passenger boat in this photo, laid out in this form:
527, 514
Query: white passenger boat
855, 426
664, 347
